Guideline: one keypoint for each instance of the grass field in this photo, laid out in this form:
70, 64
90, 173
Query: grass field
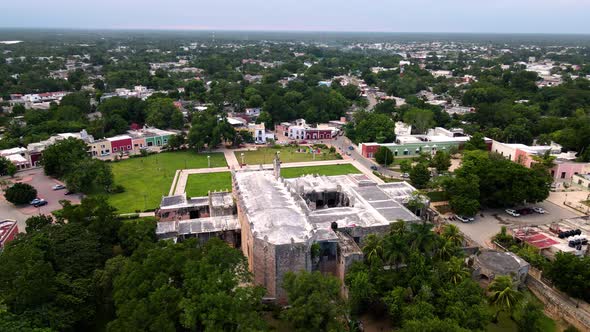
288, 155
200, 184
146, 179
293, 172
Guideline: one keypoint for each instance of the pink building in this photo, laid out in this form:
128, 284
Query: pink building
565, 170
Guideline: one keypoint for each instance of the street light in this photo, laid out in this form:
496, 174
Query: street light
242, 155
208, 161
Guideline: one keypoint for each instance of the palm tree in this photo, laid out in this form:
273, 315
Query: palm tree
373, 248
395, 249
452, 234
456, 270
503, 294
422, 237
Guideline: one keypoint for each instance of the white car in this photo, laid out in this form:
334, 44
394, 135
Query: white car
465, 219
539, 210
512, 213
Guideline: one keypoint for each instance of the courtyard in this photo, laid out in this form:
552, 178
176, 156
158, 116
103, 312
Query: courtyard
199, 185
289, 154
328, 170
147, 179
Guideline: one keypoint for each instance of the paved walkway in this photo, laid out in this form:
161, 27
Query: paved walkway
230, 158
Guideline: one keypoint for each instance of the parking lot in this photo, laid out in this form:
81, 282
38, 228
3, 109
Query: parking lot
483, 228
43, 184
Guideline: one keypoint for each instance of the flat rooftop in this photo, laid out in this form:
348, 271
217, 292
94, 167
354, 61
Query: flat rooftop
279, 212
274, 214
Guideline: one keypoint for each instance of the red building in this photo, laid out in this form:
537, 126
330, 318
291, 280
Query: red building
368, 150
8, 231
121, 143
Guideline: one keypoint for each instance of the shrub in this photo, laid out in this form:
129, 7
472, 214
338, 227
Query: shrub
20, 193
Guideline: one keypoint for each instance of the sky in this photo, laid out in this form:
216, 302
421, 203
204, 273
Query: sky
469, 16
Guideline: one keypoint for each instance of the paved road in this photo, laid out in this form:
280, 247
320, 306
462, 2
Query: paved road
342, 143
43, 184
485, 227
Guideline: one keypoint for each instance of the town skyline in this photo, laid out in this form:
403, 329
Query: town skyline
423, 16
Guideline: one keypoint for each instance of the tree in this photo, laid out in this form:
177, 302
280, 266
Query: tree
5, 167
420, 175
162, 113
405, 166
60, 158
88, 175
384, 156
79, 100
20, 193
571, 275
186, 286
528, 316
441, 161
476, 142
452, 234
421, 119
464, 192
371, 127
315, 301
36, 223
176, 141
503, 294
265, 118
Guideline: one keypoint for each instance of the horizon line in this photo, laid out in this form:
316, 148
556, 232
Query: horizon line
209, 29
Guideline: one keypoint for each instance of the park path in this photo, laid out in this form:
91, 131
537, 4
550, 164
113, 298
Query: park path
230, 158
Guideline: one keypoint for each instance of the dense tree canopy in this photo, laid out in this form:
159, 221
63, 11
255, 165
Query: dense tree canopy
371, 127
20, 193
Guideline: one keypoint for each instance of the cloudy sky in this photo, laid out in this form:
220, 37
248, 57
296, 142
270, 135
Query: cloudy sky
524, 16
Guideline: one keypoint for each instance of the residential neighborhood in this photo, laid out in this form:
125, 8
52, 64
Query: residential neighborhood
245, 167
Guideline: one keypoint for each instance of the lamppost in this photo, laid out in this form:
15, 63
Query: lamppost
242, 155
208, 161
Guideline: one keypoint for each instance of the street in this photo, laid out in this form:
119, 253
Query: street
342, 143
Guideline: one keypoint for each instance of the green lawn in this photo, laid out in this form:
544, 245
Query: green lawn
200, 184
293, 172
147, 179
288, 155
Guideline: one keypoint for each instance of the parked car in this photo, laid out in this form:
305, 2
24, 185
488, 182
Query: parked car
539, 210
465, 219
35, 201
351, 148
58, 187
525, 211
69, 192
373, 167
41, 202
512, 212
405, 175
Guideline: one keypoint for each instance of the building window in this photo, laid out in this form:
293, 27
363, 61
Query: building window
114, 149
563, 175
128, 147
